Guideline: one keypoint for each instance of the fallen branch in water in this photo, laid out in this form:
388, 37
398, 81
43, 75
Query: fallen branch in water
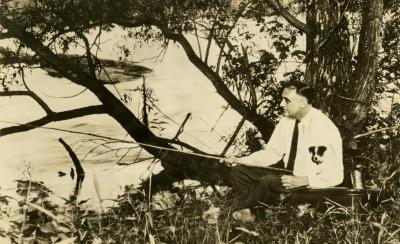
78, 167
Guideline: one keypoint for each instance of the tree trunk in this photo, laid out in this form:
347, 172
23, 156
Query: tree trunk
363, 86
345, 92
328, 55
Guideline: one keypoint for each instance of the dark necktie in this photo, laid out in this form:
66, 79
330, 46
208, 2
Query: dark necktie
293, 147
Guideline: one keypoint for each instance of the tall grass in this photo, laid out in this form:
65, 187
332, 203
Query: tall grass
134, 219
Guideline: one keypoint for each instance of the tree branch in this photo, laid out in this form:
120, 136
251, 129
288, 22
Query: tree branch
354, 100
10, 57
180, 130
233, 137
277, 6
208, 72
198, 41
376, 131
14, 93
145, 116
187, 146
35, 97
252, 91
209, 41
77, 163
263, 124
91, 66
31, 94
56, 116
225, 41
80, 172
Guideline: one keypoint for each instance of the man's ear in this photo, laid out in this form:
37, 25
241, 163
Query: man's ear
311, 149
303, 100
321, 150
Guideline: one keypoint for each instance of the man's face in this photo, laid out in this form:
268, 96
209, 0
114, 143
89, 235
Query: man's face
292, 103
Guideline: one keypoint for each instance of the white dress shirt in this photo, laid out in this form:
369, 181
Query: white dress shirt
315, 129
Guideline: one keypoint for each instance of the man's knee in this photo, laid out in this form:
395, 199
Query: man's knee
239, 177
237, 171
272, 182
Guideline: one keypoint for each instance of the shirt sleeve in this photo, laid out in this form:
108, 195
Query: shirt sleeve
330, 172
272, 152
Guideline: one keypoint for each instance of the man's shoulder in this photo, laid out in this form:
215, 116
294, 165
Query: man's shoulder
284, 121
319, 115
321, 120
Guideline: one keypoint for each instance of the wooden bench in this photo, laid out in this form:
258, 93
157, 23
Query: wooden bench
353, 196
340, 196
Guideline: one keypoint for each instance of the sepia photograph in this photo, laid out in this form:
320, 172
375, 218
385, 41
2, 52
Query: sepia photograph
199, 121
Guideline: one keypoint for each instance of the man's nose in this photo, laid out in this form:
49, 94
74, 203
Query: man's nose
283, 103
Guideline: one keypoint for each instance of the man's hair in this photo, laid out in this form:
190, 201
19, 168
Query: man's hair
301, 88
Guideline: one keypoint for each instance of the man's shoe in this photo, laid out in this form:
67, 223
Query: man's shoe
244, 215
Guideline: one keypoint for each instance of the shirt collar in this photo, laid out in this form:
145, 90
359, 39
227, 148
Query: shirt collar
308, 116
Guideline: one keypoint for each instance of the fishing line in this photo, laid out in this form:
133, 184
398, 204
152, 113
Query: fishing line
138, 143
114, 139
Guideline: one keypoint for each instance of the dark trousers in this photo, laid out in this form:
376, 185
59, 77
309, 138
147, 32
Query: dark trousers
254, 185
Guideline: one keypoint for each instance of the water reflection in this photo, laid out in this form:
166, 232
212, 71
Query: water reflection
179, 88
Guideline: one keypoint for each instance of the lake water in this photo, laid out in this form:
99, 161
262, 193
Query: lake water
179, 87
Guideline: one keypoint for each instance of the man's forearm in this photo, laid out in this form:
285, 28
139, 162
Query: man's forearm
290, 181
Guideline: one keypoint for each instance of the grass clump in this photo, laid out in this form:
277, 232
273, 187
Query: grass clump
190, 215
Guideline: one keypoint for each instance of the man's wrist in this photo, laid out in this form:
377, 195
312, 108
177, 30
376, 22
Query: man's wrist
304, 181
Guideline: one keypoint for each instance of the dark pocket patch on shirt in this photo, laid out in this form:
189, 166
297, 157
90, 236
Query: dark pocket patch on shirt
317, 153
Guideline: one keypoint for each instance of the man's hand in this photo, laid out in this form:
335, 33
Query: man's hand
229, 160
291, 182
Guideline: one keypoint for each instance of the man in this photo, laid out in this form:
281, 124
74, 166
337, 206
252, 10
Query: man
304, 142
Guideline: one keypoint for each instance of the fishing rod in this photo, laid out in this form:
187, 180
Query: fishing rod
221, 159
